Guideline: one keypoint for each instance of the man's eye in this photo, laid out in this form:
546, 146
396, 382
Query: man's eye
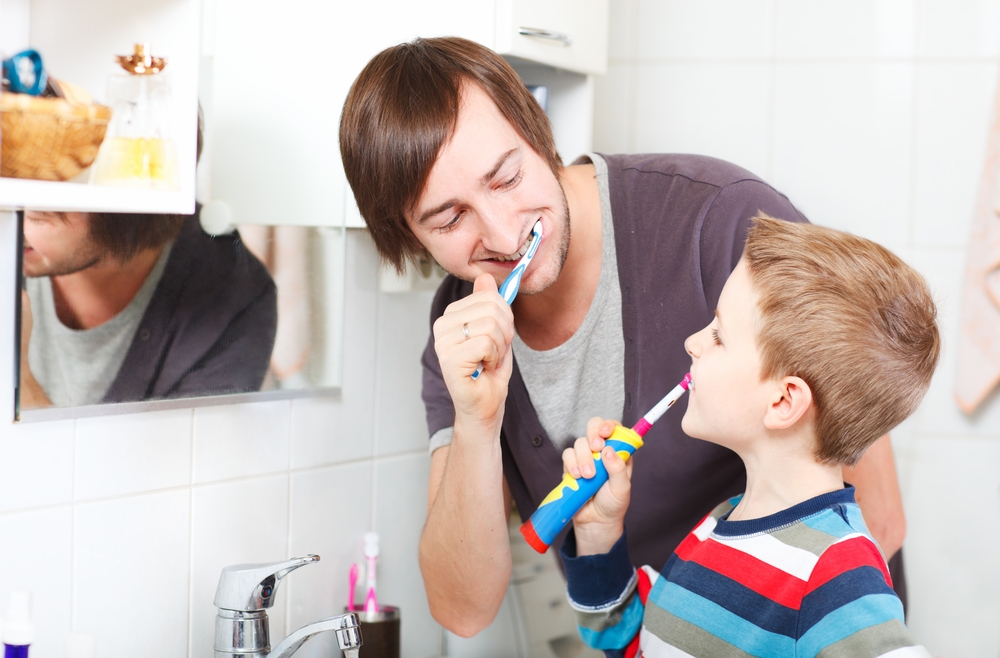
453, 223
715, 336
511, 182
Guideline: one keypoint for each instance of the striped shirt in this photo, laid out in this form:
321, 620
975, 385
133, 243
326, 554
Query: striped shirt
807, 581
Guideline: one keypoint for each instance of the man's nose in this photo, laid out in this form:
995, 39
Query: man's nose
500, 231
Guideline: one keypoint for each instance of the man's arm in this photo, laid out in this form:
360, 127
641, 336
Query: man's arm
465, 547
878, 495
32, 395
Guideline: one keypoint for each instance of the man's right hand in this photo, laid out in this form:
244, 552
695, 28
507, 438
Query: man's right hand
488, 322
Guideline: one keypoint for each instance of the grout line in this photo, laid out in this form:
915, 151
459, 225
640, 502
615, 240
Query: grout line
243, 478
631, 128
911, 197
772, 75
375, 405
190, 632
72, 538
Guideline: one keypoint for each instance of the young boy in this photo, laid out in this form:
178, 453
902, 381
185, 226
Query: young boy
822, 342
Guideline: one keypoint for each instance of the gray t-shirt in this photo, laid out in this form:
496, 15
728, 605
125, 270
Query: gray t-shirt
585, 376
77, 366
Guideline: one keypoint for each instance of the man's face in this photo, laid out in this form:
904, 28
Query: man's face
56, 244
484, 194
727, 400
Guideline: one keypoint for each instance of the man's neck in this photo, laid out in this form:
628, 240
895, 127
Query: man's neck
783, 473
92, 296
548, 319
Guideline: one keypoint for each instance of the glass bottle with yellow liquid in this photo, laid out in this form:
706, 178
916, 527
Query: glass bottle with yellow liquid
137, 151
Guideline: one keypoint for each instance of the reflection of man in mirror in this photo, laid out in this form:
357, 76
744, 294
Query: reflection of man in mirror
126, 307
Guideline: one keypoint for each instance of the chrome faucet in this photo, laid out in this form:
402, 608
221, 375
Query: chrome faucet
241, 628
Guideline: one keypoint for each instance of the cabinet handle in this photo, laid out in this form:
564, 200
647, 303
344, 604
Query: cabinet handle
552, 35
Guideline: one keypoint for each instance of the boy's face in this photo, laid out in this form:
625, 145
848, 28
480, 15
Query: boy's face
484, 194
727, 401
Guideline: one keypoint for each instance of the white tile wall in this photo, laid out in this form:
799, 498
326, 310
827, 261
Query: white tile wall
872, 116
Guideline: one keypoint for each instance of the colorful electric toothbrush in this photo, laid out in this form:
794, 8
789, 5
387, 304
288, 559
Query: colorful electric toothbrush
371, 554
509, 287
558, 508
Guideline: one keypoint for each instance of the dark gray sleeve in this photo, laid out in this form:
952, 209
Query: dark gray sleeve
237, 362
725, 227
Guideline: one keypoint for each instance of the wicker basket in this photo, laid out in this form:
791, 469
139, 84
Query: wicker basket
50, 138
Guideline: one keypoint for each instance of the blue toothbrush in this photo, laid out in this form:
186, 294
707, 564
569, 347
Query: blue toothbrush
509, 287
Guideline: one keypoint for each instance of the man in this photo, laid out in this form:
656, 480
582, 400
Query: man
448, 154
126, 307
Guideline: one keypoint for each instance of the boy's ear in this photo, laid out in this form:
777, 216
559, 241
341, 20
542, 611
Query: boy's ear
791, 400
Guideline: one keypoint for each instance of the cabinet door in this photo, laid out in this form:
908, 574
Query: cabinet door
566, 34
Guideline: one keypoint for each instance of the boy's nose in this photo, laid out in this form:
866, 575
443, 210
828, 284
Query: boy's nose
690, 344
499, 234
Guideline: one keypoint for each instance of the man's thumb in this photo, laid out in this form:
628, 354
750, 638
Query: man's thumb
484, 283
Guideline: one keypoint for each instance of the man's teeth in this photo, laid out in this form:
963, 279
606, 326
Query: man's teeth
517, 254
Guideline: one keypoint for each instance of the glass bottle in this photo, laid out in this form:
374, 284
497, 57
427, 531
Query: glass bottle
137, 151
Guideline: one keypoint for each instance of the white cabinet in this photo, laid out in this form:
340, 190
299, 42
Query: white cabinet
78, 40
275, 83
565, 34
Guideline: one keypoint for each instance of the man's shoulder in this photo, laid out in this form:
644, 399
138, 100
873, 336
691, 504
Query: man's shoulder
700, 169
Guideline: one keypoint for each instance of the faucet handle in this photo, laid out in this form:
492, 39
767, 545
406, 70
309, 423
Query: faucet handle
251, 587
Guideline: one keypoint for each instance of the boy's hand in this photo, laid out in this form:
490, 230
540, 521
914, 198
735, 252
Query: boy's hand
601, 521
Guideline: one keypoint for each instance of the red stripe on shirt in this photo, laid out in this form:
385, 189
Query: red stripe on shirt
747, 570
844, 556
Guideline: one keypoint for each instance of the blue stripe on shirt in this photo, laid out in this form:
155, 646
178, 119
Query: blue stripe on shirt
736, 598
847, 620
718, 621
839, 591
619, 635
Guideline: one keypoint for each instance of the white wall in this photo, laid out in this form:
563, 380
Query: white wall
120, 525
872, 116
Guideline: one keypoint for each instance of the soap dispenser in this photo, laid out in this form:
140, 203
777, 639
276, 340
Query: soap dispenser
137, 151
18, 632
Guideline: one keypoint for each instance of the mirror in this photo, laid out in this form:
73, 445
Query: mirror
140, 312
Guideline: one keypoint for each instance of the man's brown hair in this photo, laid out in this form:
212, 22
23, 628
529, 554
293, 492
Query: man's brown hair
851, 319
122, 235
402, 108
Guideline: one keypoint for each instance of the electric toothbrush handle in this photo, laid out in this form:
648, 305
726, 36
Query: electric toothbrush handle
558, 508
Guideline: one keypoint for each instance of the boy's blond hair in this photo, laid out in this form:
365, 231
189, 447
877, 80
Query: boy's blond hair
851, 319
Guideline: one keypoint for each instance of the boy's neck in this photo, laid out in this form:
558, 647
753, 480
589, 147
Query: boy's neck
782, 474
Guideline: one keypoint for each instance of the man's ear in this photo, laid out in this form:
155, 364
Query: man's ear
792, 399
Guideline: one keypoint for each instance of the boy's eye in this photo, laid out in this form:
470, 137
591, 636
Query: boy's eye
715, 336
453, 223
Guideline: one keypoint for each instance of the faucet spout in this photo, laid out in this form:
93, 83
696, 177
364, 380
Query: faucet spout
345, 626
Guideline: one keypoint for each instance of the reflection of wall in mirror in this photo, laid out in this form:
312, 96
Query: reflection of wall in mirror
302, 261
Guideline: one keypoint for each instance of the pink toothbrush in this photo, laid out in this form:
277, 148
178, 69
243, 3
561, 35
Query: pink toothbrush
371, 553
352, 580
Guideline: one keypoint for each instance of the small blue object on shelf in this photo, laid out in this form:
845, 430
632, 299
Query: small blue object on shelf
541, 94
24, 73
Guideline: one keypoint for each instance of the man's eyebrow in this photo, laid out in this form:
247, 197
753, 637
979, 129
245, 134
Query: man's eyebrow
484, 180
500, 163
433, 211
